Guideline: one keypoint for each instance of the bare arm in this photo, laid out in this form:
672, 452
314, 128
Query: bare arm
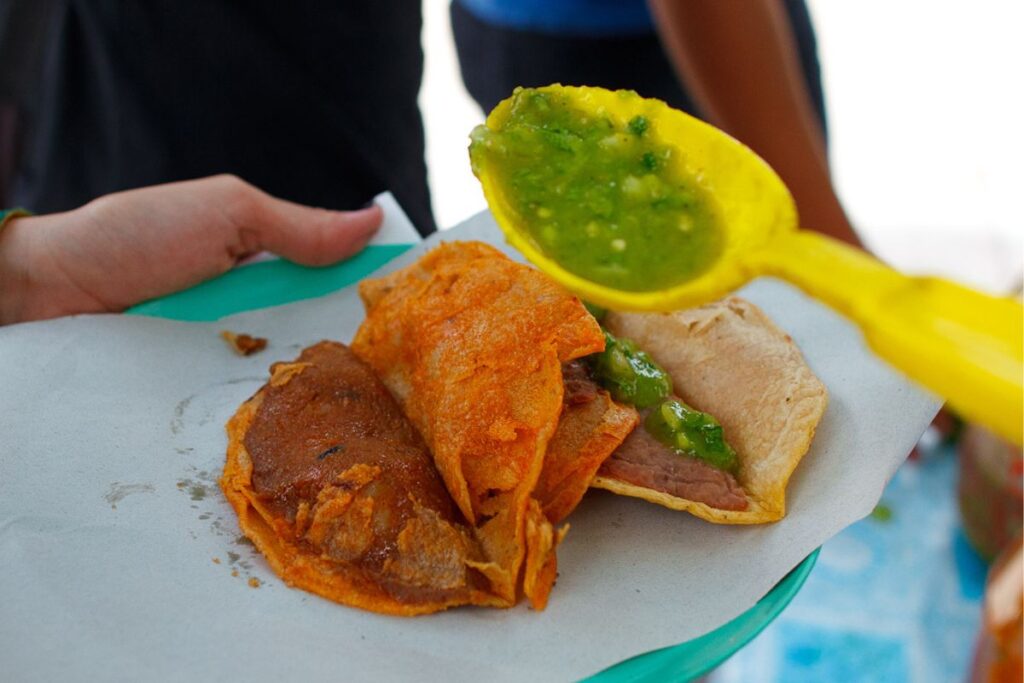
739, 61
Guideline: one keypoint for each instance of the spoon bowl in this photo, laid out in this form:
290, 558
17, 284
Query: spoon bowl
963, 345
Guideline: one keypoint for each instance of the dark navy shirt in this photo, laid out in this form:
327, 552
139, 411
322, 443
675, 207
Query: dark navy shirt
312, 101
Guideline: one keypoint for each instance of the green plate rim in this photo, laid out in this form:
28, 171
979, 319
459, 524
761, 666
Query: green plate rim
270, 283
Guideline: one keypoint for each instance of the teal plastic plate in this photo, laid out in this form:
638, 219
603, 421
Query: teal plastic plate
277, 282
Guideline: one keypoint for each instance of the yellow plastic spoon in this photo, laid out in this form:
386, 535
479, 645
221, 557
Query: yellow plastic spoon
963, 345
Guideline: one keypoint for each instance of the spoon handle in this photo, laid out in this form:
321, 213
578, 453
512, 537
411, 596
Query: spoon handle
965, 346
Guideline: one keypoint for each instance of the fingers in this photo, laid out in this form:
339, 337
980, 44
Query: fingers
306, 235
318, 237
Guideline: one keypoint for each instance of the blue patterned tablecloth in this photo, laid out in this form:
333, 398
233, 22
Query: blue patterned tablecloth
895, 597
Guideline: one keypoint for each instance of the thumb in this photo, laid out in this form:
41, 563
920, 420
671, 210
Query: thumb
309, 236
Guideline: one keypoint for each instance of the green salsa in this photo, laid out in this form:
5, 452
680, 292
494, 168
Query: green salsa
691, 432
629, 374
606, 201
632, 376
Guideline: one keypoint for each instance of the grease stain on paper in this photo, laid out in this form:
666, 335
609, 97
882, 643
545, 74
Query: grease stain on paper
243, 380
203, 490
178, 421
199, 486
119, 492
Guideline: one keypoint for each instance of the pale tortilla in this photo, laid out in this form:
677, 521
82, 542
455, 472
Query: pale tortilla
730, 360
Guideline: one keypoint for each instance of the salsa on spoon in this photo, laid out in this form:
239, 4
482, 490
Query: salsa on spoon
633, 205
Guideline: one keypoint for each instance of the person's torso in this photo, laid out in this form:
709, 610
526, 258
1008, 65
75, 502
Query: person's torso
311, 101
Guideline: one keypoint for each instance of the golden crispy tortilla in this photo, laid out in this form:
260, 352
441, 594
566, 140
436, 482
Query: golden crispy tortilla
339, 493
472, 345
730, 360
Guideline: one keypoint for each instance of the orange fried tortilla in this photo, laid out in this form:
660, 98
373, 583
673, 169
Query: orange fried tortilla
472, 345
591, 427
730, 360
338, 491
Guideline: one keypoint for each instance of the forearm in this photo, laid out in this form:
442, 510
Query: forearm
739, 62
32, 285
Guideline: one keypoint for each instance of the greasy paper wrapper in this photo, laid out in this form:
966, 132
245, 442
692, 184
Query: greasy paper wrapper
121, 560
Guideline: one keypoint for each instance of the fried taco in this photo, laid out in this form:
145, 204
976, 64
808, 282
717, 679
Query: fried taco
338, 491
743, 414
477, 348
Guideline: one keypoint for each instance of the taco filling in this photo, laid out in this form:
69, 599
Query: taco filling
657, 455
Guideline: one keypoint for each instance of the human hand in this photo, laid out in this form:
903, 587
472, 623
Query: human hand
128, 247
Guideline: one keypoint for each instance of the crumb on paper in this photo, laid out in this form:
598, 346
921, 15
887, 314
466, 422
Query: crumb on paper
243, 344
216, 560
234, 573
254, 582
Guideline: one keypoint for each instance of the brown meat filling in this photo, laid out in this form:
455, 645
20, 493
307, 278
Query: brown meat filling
644, 461
579, 385
334, 456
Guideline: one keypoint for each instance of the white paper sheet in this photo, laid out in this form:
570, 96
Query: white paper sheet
120, 559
